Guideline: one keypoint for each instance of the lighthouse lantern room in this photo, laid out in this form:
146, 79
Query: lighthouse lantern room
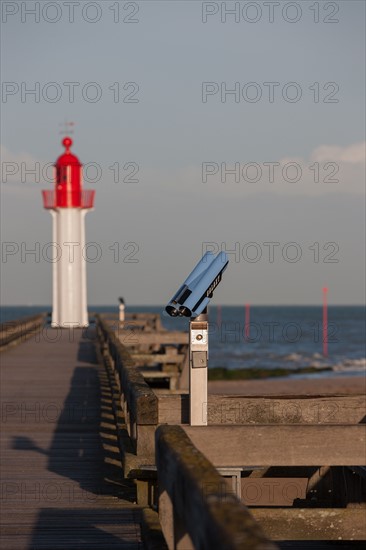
68, 205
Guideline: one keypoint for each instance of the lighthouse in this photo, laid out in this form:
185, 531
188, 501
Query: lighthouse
69, 204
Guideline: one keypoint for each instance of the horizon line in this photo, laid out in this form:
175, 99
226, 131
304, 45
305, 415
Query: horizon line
318, 304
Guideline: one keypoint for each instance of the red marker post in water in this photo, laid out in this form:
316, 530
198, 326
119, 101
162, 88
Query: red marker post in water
247, 322
325, 322
218, 320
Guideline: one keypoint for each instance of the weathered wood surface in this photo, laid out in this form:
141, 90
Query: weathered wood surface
61, 473
155, 373
147, 321
313, 524
195, 506
153, 358
350, 409
151, 531
141, 401
131, 315
17, 331
133, 466
273, 491
137, 400
285, 445
130, 337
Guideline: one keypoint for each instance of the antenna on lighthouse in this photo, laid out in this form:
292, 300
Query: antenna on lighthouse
67, 127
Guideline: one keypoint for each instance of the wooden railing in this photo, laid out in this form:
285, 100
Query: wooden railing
140, 402
196, 507
282, 454
150, 321
13, 332
161, 354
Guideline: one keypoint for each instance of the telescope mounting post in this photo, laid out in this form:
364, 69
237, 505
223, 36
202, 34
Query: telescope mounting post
198, 363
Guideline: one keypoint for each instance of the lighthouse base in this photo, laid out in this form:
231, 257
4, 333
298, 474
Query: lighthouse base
69, 308
69, 326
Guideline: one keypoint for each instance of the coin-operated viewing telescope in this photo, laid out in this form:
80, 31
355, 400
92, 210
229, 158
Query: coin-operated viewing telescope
195, 293
191, 300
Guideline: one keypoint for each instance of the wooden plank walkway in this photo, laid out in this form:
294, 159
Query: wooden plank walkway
61, 481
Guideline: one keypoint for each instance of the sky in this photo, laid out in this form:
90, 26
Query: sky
235, 126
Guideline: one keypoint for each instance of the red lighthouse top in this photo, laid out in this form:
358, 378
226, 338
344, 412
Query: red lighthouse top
68, 186
67, 158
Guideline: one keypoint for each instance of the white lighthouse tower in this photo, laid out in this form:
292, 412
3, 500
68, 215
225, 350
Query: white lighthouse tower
68, 205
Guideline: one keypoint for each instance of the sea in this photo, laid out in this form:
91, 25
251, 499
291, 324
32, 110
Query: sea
267, 337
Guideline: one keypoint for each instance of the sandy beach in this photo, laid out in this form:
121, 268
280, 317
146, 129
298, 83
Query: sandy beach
354, 385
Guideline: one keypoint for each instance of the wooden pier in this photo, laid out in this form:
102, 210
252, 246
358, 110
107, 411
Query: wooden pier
61, 482
97, 451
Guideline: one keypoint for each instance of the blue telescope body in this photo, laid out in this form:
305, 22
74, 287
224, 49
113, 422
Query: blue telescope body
197, 290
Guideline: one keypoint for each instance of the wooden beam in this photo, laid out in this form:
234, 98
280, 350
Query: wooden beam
287, 409
351, 409
152, 374
295, 445
130, 337
152, 358
173, 408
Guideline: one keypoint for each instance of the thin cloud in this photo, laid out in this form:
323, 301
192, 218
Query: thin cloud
353, 154
329, 169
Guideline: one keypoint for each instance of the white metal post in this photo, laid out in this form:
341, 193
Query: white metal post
121, 312
198, 363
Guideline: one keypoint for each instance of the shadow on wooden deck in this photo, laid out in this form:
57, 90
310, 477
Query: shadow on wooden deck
86, 529
82, 500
